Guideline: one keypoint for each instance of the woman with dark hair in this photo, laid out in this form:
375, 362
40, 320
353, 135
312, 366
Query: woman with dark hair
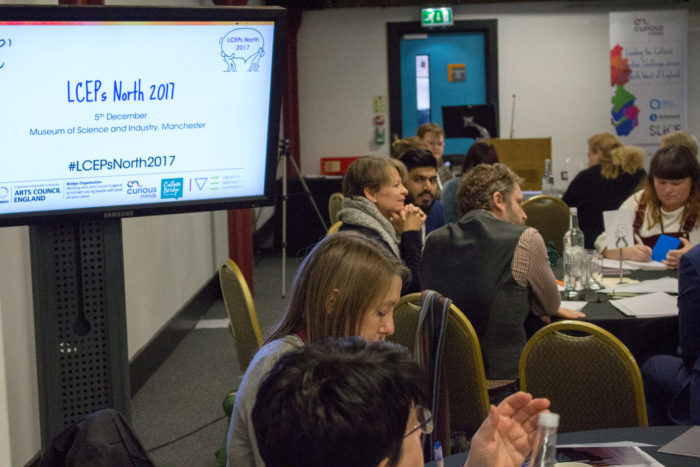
346, 286
481, 152
668, 205
375, 206
614, 174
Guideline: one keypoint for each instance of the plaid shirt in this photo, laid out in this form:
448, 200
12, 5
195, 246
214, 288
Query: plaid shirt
531, 269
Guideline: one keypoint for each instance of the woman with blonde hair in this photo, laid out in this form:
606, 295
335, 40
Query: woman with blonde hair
374, 205
400, 146
682, 138
668, 205
346, 286
614, 173
599, 144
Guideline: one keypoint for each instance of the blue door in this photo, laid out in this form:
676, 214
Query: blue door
432, 76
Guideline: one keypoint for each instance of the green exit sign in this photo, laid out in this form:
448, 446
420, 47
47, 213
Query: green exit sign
437, 17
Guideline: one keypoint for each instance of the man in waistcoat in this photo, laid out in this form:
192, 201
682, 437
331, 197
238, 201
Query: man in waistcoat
495, 269
422, 186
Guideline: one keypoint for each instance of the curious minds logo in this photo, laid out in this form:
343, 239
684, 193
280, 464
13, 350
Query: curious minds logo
642, 25
134, 188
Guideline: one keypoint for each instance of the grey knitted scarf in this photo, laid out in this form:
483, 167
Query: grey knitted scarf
358, 210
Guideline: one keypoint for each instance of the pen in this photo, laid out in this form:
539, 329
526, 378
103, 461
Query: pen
438, 455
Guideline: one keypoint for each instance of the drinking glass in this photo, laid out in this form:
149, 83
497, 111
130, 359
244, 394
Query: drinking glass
593, 270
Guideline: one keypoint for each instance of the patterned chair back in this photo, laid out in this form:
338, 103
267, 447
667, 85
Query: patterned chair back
550, 216
590, 377
461, 362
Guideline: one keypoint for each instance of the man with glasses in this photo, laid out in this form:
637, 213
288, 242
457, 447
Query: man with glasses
434, 136
350, 402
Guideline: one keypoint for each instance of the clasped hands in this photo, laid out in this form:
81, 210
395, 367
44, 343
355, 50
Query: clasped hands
411, 217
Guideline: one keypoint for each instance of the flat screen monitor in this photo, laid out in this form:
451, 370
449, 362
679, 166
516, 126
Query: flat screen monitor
130, 111
458, 120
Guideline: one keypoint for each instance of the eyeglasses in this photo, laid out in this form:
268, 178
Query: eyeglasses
424, 417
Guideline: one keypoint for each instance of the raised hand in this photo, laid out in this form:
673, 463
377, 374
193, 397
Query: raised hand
507, 435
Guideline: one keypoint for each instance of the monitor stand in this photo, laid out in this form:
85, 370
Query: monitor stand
79, 321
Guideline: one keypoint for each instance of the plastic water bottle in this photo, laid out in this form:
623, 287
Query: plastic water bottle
545, 452
548, 178
573, 257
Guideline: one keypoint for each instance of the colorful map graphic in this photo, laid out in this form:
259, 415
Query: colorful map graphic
624, 112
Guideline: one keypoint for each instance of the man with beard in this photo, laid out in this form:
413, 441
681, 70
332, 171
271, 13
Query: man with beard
496, 271
422, 186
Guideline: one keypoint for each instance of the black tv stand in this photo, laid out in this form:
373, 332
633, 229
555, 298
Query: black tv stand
79, 321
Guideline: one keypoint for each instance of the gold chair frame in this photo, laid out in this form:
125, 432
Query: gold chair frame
334, 228
335, 203
241, 312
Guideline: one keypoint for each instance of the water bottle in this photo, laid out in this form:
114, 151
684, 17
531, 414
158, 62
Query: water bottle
545, 452
573, 257
547, 178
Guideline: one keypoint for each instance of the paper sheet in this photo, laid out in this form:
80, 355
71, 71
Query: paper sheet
618, 226
610, 283
664, 284
648, 305
573, 305
647, 265
687, 444
615, 264
609, 263
626, 453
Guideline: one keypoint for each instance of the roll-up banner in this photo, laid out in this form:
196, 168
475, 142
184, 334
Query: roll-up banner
648, 75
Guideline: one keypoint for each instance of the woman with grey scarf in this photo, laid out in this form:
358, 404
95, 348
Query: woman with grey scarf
374, 206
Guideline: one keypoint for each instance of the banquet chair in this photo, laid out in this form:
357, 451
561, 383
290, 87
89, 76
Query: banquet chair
462, 362
335, 202
241, 313
589, 376
550, 216
245, 328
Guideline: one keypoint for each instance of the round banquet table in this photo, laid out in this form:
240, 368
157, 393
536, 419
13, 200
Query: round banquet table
644, 337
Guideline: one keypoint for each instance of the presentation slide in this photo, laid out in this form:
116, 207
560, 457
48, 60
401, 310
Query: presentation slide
100, 114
